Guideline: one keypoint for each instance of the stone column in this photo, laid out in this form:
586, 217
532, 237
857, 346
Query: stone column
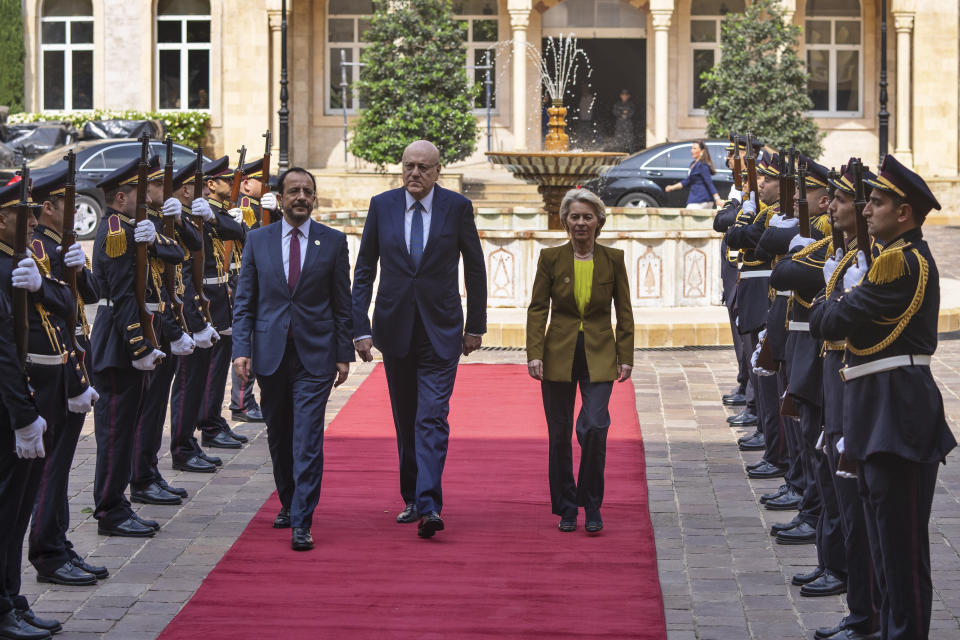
519, 21
273, 99
904, 26
661, 28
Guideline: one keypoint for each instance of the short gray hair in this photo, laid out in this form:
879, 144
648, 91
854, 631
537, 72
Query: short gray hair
587, 197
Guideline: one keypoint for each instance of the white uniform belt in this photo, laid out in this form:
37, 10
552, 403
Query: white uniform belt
763, 273
216, 280
152, 307
883, 364
226, 332
78, 331
798, 326
785, 294
50, 360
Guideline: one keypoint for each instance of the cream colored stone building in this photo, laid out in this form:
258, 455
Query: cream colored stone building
225, 56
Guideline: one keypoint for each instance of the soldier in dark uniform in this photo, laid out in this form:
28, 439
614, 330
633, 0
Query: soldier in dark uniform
894, 425
34, 407
122, 354
51, 553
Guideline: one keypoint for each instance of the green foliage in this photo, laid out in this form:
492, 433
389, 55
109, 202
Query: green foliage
186, 127
414, 83
760, 84
11, 55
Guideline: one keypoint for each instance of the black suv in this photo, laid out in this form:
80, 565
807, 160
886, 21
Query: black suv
640, 180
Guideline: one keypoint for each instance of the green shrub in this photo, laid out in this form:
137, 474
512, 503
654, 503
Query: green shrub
11, 55
189, 128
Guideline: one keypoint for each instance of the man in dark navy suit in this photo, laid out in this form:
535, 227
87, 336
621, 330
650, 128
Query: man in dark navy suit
291, 318
417, 233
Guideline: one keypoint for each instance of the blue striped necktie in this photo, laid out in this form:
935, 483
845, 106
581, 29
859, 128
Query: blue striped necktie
416, 234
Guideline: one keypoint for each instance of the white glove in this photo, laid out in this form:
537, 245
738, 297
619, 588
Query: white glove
855, 272
821, 445
760, 371
237, 214
145, 232
149, 361
206, 337
734, 194
201, 207
780, 222
171, 207
840, 446
75, 258
183, 346
269, 201
27, 276
749, 207
29, 439
799, 242
84, 402
830, 266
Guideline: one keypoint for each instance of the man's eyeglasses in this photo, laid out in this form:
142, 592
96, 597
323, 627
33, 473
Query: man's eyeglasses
422, 168
306, 191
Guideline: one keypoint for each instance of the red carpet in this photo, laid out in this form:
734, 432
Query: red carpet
500, 569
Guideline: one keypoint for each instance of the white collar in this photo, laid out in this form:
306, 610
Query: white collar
426, 201
286, 228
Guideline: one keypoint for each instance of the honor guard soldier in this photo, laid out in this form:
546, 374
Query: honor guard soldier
122, 350
51, 553
34, 401
894, 427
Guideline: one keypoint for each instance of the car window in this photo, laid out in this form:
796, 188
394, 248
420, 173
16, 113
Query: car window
93, 163
182, 157
116, 156
672, 158
718, 153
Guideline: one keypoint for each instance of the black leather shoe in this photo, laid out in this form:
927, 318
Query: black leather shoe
853, 634
828, 584
429, 525
787, 502
743, 419
214, 460
220, 441
69, 574
735, 399
568, 524
800, 534
236, 436
153, 494
409, 514
153, 524
801, 579
282, 521
47, 624
842, 632
782, 489
767, 471
594, 523
129, 528
755, 465
177, 491
195, 464
755, 442
250, 415
13, 627
101, 573
777, 527
301, 540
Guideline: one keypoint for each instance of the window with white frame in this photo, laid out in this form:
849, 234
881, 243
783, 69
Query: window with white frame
833, 35
347, 23
705, 18
478, 19
66, 55
183, 55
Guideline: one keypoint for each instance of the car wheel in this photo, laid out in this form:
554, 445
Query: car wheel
87, 217
637, 201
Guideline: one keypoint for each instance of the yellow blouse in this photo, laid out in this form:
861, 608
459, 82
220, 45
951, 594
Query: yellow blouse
582, 284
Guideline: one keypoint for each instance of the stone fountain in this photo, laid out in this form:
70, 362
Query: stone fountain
557, 169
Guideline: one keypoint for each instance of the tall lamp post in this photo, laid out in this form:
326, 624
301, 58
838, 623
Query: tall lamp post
284, 113
884, 115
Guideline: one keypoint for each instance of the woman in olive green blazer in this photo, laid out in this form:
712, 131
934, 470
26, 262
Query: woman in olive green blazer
575, 286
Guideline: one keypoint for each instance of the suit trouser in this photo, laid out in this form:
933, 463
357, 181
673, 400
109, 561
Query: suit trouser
768, 410
211, 421
559, 398
186, 399
794, 477
825, 506
420, 385
115, 424
897, 498
19, 481
241, 393
150, 426
742, 343
808, 429
294, 406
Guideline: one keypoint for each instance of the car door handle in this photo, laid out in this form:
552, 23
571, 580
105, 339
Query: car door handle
654, 173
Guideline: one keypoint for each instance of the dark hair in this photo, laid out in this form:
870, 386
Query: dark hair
283, 176
111, 195
705, 156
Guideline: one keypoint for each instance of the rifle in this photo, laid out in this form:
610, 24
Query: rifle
751, 170
803, 207
860, 201
790, 183
839, 242
68, 239
143, 262
21, 302
265, 179
169, 230
736, 168
782, 179
234, 199
199, 256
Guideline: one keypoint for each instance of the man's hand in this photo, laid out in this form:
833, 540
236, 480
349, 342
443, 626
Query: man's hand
201, 207
206, 337
269, 201
535, 369
183, 346
242, 367
237, 214
149, 362
749, 207
830, 266
84, 402
799, 242
145, 232
27, 276
74, 258
171, 207
471, 343
623, 372
29, 439
343, 370
780, 222
364, 347
854, 274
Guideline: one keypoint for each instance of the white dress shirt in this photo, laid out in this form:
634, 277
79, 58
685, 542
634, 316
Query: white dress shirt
286, 229
427, 203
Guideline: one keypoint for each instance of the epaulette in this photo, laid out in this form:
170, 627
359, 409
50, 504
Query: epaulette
53, 235
890, 265
116, 243
249, 217
822, 224
215, 203
40, 255
5, 248
810, 248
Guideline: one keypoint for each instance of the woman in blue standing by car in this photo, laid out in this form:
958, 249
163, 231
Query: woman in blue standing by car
703, 194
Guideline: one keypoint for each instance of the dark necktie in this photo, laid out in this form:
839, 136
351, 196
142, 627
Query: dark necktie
416, 234
294, 271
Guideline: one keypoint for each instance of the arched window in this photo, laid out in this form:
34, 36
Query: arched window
834, 41
183, 54
705, 17
66, 53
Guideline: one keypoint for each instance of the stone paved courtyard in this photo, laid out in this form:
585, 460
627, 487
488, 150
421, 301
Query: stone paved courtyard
721, 573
